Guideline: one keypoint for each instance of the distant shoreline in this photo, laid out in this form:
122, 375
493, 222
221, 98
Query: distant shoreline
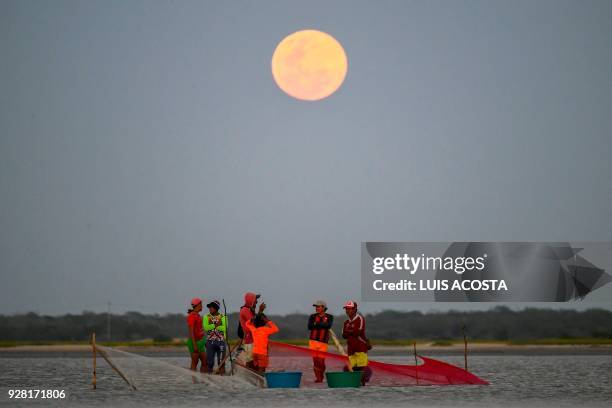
425, 348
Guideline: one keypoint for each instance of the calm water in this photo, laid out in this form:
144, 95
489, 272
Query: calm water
516, 380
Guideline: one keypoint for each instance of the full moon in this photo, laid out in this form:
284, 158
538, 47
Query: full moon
309, 65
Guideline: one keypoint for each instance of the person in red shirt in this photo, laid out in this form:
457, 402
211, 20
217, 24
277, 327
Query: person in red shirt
358, 344
196, 341
247, 313
261, 328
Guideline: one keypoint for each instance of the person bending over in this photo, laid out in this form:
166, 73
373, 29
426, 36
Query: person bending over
261, 328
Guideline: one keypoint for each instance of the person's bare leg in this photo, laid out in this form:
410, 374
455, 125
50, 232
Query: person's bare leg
194, 365
319, 369
194, 360
323, 368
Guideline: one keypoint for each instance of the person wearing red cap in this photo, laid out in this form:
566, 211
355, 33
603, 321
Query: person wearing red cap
247, 313
358, 344
196, 341
319, 325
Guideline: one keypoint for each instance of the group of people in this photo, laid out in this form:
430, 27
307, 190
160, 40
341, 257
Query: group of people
207, 336
207, 340
353, 331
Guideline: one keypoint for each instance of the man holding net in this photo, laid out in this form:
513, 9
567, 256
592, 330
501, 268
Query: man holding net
358, 344
319, 325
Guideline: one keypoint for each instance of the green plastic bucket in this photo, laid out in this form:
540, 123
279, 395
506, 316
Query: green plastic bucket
343, 379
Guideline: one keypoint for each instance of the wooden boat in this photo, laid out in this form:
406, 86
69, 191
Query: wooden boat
253, 377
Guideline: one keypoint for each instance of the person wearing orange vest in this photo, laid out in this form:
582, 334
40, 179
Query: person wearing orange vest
261, 328
319, 325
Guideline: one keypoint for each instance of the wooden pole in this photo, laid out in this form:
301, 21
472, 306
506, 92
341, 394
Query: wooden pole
108, 322
229, 353
93, 349
341, 349
416, 363
114, 367
465, 348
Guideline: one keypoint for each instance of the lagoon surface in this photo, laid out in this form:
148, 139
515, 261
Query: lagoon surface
517, 380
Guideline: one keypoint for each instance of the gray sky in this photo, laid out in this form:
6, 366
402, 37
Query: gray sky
146, 155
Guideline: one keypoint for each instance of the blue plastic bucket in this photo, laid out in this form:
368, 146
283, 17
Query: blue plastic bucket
285, 379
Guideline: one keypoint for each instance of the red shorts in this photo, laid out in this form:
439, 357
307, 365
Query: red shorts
260, 360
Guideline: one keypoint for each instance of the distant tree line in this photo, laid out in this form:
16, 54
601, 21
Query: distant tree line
500, 323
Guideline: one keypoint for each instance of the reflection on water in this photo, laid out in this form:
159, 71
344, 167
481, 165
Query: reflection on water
516, 380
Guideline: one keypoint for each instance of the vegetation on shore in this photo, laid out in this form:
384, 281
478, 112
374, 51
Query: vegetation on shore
393, 328
304, 342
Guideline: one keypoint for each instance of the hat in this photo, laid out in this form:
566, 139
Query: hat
214, 303
196, 301
320, 303
350, 304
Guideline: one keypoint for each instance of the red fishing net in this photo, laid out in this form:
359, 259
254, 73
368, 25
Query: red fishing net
288, 357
